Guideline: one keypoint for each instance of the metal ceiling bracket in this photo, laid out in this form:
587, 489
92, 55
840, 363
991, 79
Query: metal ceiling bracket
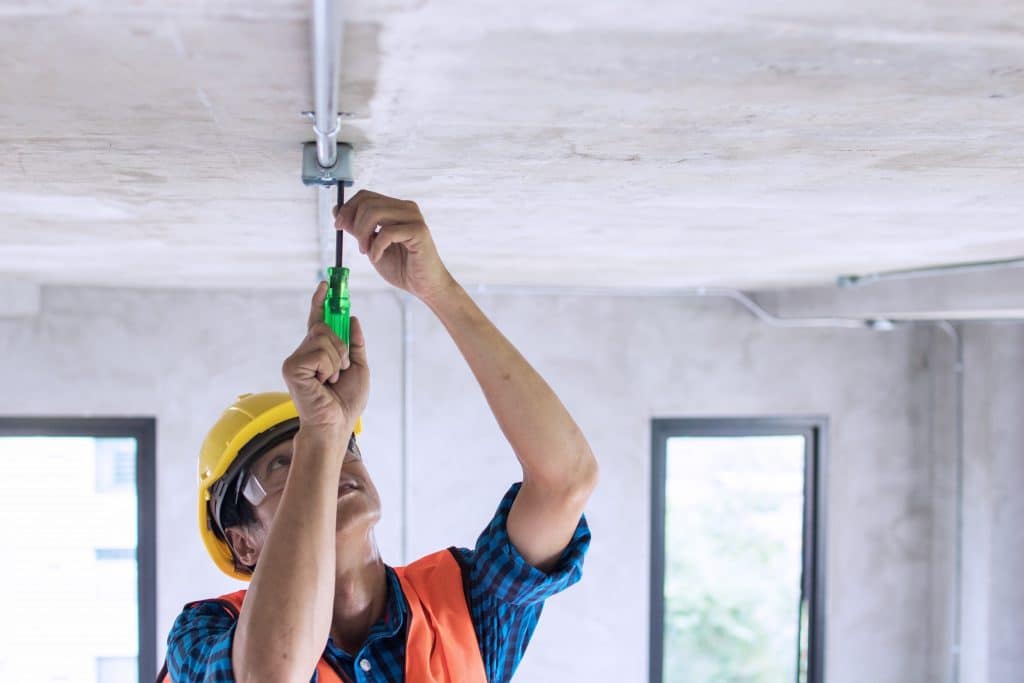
315, 174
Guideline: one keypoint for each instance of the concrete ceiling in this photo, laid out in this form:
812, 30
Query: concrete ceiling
658, 143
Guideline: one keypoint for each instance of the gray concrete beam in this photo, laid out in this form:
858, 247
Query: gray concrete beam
992, 295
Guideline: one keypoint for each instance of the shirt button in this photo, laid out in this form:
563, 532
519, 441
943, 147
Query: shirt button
364, 664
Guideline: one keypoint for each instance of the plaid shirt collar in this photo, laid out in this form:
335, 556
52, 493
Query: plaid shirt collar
391, 623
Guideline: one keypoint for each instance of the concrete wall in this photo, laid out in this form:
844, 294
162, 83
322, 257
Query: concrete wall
991, 599
182, 356
993, 537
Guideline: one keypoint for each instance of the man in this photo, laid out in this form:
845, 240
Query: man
287, 503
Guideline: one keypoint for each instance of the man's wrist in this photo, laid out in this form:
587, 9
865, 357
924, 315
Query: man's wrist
323, 440
446, 293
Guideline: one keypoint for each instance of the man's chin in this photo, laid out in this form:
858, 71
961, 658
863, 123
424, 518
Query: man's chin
357, 516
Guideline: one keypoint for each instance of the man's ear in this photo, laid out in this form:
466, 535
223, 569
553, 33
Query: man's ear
244, 545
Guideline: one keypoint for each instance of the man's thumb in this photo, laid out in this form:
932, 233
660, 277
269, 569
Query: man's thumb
357, 342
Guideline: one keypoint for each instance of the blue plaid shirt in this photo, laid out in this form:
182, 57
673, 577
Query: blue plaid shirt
506, 596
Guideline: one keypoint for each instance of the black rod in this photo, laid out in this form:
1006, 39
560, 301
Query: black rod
339, 242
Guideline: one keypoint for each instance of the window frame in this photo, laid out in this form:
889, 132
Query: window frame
814, 429
143, 430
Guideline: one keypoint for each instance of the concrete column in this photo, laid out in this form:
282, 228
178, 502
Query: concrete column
1005, 516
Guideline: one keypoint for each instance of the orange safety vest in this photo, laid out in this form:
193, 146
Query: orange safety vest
441, 645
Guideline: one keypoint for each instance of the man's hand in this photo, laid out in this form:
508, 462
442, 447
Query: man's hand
328, 381
394, 234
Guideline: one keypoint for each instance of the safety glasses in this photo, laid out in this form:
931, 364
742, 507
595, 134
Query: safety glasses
268, 476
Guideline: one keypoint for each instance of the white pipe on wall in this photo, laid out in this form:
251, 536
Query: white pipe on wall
405, 301
742, 298
928, 271
956, 336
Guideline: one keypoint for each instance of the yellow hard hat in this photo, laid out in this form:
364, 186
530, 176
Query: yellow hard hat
252, 415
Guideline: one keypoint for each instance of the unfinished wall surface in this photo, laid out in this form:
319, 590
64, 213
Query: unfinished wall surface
992, 559
181, 359
1005, 654
993, 599
182, 356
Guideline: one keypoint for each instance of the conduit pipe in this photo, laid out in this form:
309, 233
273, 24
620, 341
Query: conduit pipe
742, 298
956, 336
327, 35
404, 300
847, 281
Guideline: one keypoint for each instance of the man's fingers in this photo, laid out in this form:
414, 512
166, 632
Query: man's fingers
379, 212
361, 230
343, 215
366, 210
323, 337
316, 310
401, 233
321, 354
306, 364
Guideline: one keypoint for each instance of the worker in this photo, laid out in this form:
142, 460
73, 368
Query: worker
286, 503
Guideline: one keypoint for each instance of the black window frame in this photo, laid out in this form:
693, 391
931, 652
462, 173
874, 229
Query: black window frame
143, 430
814, 429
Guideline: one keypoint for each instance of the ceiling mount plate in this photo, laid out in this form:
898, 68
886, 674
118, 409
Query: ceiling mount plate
315, 174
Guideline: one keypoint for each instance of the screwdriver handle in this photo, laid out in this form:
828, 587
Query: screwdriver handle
337, 305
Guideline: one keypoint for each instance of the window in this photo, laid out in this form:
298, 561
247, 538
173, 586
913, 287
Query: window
737, 551
78, 578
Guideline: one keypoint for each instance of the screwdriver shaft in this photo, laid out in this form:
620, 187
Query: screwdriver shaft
339, 241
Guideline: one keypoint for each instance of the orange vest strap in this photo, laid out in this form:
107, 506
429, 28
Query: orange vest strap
233, 600
441, 645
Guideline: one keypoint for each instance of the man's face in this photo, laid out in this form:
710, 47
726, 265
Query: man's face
358, 500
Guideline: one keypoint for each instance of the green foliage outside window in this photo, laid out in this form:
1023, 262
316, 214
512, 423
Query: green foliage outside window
733, 560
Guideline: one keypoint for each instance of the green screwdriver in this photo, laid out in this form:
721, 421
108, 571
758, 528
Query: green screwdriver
338, 304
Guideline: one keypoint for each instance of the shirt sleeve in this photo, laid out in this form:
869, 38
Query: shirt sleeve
199, 644
506, 593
